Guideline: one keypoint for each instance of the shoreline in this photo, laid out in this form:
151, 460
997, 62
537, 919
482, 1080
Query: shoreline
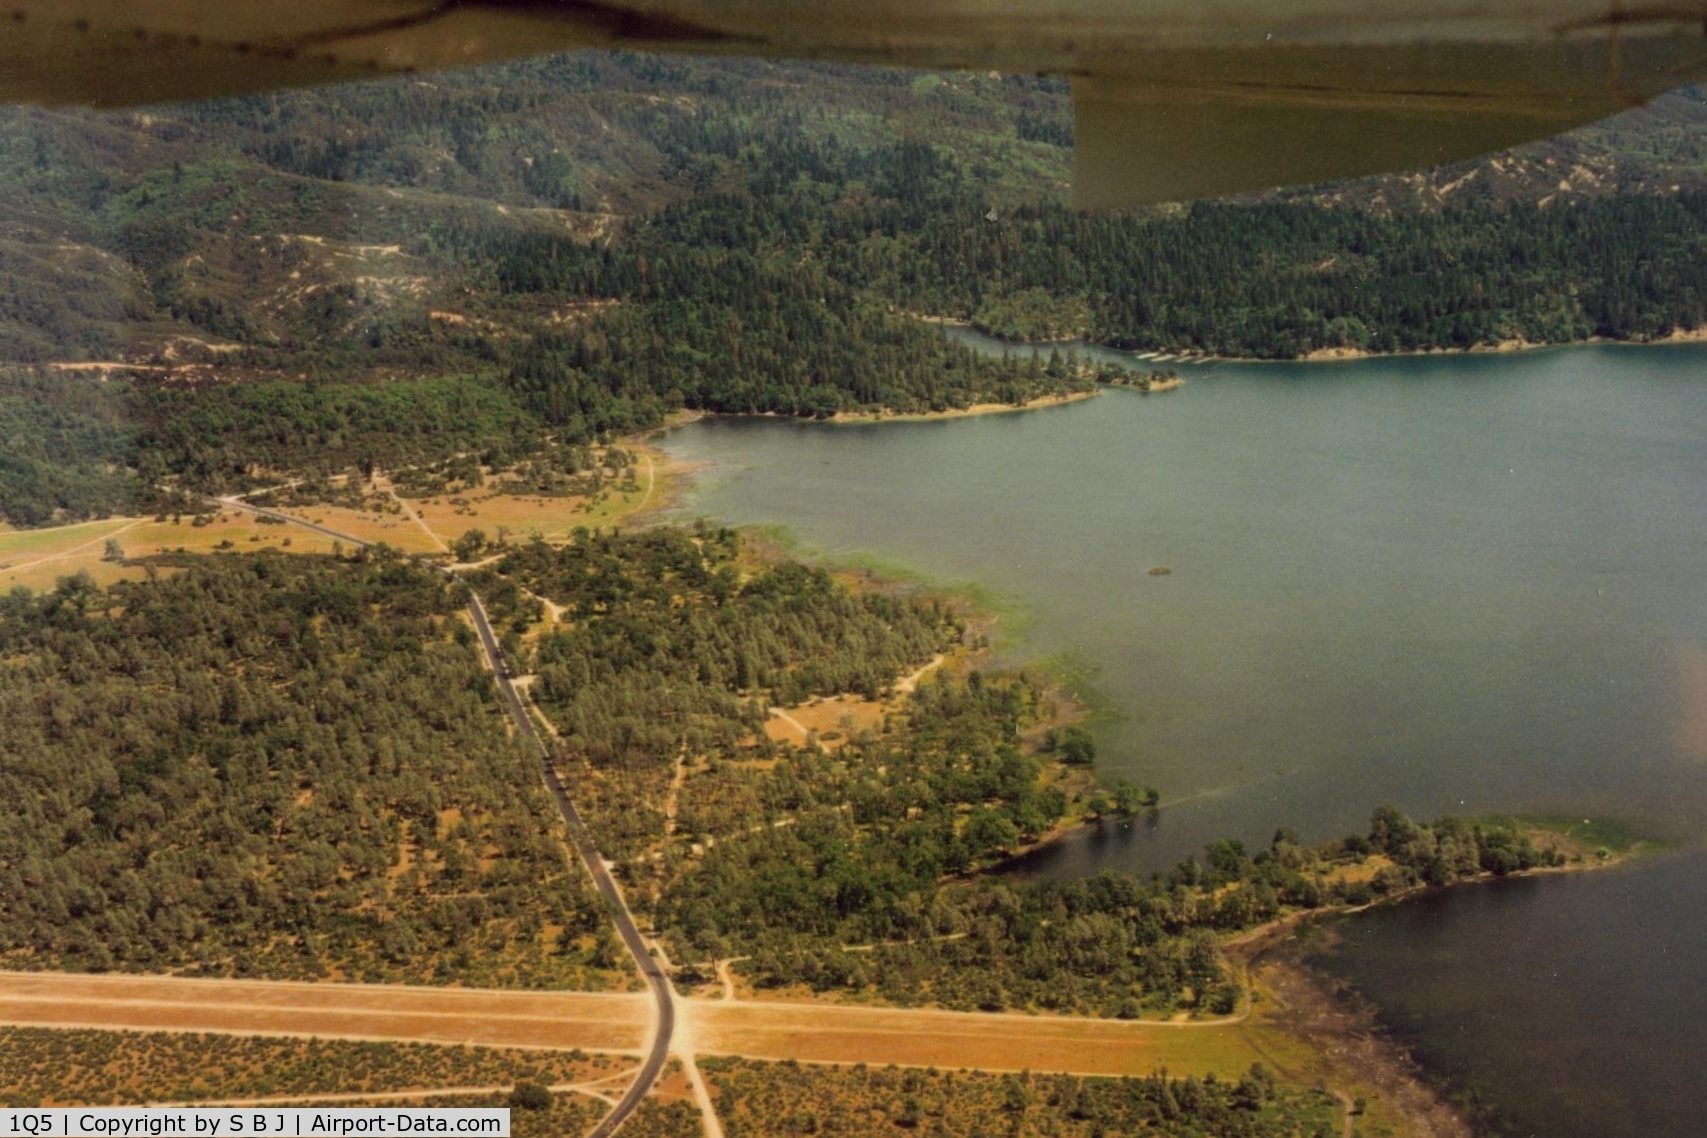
867, 418
977, 650
1344, 1030
1502, 347
1678, 335
1350, 1052
1042, 402
1339, 355
1313, 1029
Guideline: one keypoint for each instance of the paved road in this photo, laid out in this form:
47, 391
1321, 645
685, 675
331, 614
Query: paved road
239, 504
659, 1052
595, 863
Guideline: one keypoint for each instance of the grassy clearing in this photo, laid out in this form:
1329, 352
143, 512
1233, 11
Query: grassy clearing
20, 546
517, 517
141, 538
42, 576
396, 530
1588, 837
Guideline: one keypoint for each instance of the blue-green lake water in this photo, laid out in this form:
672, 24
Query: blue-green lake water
1456, 584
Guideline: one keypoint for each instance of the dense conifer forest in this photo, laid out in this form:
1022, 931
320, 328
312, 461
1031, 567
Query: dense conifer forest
45, 1066
274, 766
781, 1100
73, 451
1269, 280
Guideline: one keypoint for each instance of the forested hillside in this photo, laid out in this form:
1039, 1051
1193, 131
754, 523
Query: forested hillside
579, 245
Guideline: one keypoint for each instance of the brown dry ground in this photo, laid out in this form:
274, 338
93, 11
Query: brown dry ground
566, 1020
453, 513
37, 558
521, 515
672, 1085
834, 719
617, 1023
397, 530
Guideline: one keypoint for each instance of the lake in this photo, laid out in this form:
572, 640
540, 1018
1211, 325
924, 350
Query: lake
1452, 583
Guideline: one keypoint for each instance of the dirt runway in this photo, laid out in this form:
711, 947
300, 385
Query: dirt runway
617, 1024
596, 1022
847, 1034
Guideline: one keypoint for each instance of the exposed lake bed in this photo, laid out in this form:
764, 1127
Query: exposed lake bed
1458, 584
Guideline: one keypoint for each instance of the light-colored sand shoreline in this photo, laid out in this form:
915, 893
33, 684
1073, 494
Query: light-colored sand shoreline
1503, 347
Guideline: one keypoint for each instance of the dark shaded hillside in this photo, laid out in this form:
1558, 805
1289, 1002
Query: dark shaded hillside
310, 227
266, 221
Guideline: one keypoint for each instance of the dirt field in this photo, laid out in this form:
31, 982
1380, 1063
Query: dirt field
595, 1022
37, 558
452, 515
834, 719
522, 514
397, 530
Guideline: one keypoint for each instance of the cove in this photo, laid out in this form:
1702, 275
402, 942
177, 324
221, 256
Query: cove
1457, 584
